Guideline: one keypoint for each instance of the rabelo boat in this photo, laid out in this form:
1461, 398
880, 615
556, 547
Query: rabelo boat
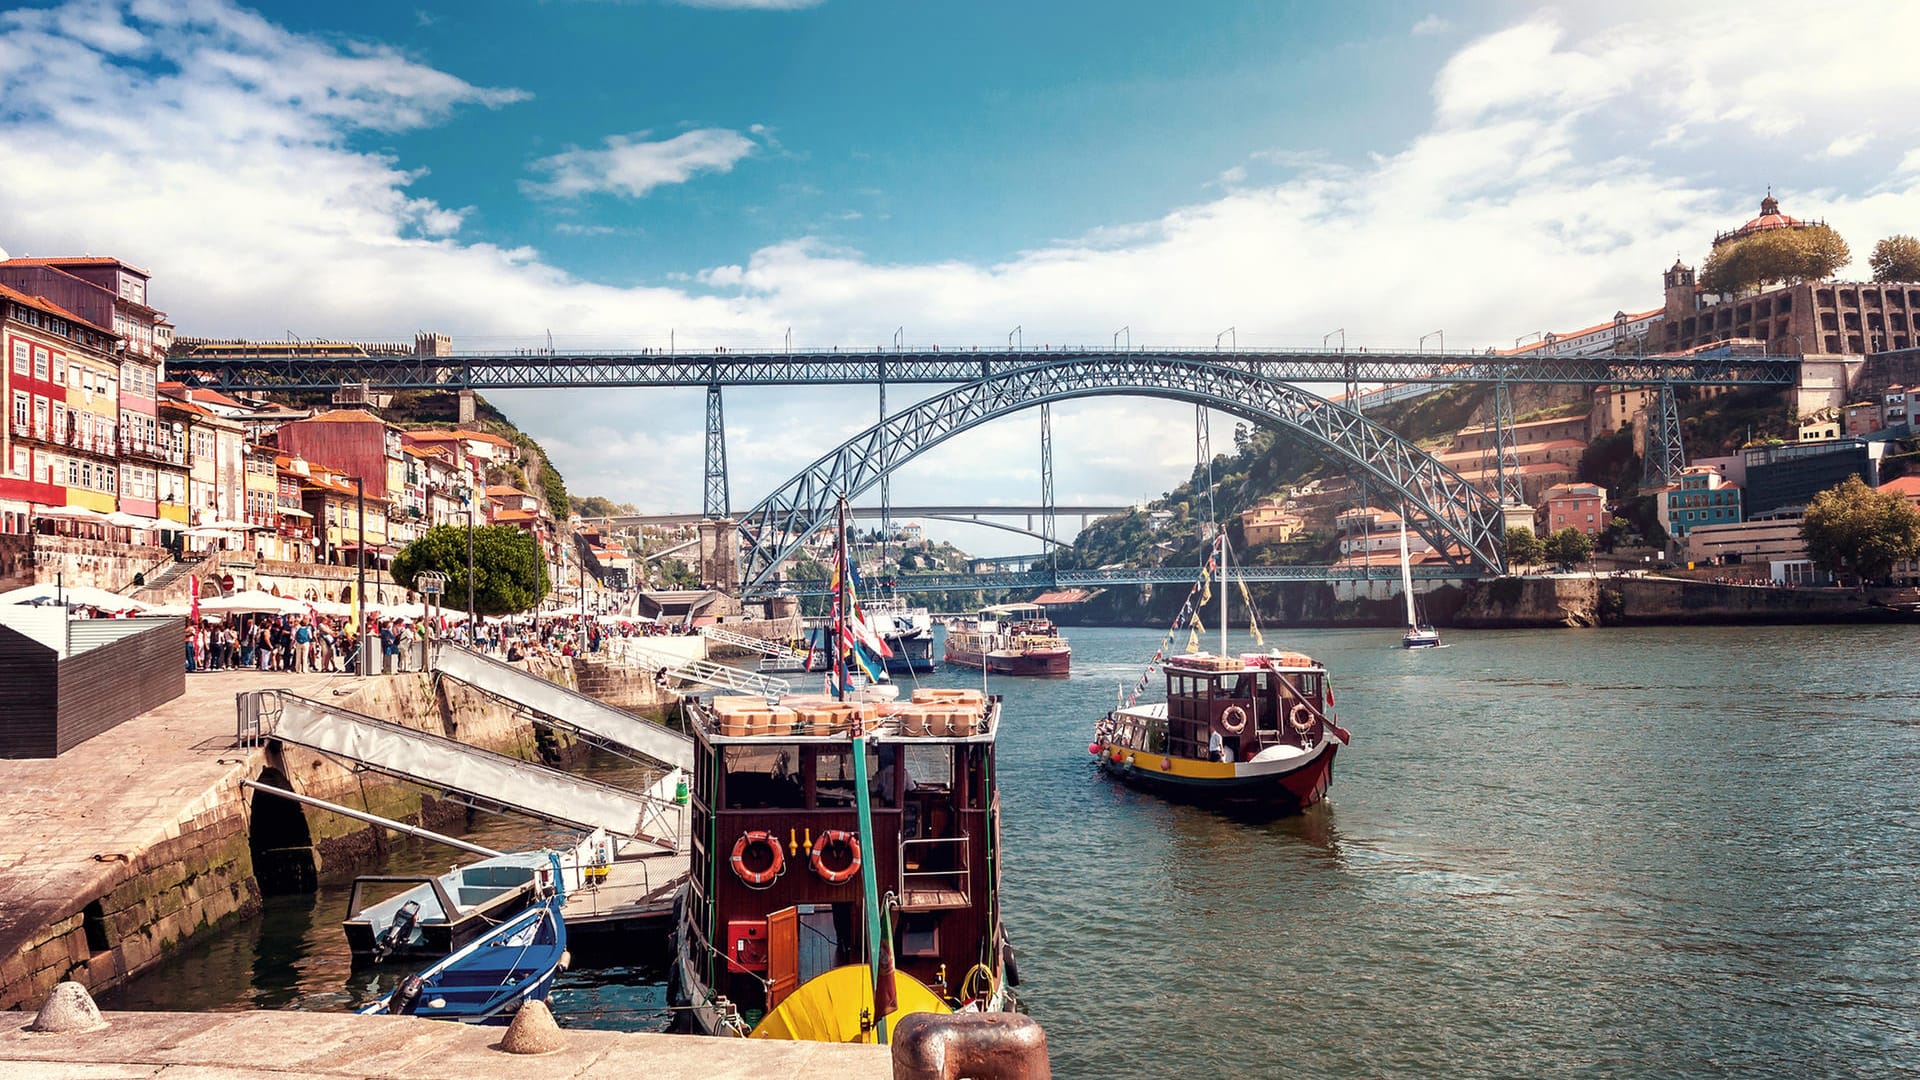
1009, 639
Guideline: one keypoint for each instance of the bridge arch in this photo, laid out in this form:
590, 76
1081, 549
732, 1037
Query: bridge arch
1449, 509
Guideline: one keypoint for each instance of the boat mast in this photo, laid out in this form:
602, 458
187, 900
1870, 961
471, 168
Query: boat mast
1406, 575
839, 666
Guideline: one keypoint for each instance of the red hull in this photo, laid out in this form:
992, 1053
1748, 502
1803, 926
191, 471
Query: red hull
1279, 794
1033, 663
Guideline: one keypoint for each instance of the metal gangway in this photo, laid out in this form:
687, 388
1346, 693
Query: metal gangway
469, 774
560, 706
774, 656
699, 672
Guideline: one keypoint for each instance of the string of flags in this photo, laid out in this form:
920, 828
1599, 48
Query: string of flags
1189, 616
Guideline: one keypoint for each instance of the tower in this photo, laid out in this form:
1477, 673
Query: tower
1682, 297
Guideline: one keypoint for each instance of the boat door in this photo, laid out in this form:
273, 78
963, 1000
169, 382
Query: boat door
802, 942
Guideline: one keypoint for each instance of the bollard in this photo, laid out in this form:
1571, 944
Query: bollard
68, 1010
532, 1031
978, 1046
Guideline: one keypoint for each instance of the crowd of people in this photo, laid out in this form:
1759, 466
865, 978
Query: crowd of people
318, 643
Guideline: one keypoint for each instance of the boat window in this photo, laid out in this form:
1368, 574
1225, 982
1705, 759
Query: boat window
761, 776
929, 768
833, 785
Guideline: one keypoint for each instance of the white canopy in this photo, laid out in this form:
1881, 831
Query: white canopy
72, 596
130, 521
255, 600
77, 513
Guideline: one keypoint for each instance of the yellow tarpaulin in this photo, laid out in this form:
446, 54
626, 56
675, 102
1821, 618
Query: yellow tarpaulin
827, 1007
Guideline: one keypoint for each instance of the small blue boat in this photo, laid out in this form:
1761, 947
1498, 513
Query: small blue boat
488, 980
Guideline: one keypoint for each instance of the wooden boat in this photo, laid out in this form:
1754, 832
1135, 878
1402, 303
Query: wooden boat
805, 813
436, 915
1009, 639
1253, 731
1419, 635
487, 980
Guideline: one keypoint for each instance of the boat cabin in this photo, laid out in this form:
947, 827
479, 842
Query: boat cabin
775, 893
1223, 708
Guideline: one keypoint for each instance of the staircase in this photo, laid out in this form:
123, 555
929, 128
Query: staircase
167, 574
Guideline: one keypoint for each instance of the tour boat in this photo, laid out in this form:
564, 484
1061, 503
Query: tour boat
1009, 639
845, 864
1419, 635
1253, 731
491, 977
908, 632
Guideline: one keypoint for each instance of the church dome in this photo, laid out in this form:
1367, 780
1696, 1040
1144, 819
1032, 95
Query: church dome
1769, 218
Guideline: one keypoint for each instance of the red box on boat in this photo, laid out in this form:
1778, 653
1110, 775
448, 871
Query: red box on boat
747, 944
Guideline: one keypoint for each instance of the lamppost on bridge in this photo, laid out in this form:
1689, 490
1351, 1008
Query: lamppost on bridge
899, 338
1441, 334
1329, 334
1228, 332
1016, 334
1128, 331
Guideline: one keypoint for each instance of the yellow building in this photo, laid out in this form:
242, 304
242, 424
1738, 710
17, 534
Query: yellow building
1269, 523
88, 422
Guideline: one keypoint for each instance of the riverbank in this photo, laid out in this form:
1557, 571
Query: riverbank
1516, 602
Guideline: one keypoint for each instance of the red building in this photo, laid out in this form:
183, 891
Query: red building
36, 337
349, 441
1577, 506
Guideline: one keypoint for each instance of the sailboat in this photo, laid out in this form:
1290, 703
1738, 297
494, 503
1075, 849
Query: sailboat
1418, 635
1254, 731
846, 867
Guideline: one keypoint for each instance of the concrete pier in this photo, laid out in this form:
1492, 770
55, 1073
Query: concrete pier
293, 1045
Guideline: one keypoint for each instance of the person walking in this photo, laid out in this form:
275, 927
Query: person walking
389, 647
302, 647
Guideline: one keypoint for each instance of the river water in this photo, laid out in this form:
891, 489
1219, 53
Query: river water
1646, 852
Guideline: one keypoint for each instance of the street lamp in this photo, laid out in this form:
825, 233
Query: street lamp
1228, 332
472, 630
1128, 331
1329, 334
1441, 334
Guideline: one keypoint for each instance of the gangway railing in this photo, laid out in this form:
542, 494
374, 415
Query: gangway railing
468, 773
775, 649
564, 707
700, 672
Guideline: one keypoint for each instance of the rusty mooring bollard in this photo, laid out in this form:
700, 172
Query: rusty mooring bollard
978, 1046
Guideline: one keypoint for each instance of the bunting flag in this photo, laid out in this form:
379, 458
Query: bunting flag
1253, 621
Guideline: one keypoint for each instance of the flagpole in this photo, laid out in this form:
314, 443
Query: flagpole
1223, 592
839, 668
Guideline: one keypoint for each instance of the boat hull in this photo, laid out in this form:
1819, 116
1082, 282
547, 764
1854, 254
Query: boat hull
1053, 662
1276, 787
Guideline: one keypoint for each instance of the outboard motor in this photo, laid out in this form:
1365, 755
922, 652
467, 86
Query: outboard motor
397, 931
406, 997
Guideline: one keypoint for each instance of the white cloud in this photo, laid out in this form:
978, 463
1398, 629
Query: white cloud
630, 165
1432, 24
216, 148
1847, 145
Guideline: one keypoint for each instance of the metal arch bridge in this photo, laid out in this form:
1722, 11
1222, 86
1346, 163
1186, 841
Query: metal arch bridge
1044, 578
959, 514
1451, 513
265, 367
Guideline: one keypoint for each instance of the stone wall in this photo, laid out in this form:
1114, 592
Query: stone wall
1654, 601
28, 559
623, 686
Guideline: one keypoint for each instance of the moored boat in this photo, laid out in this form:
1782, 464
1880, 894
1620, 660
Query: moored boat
1253, 731
1419, 635
491, 977
1009, 639
844, 869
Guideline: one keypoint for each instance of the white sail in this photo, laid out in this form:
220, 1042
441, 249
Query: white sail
1406, 576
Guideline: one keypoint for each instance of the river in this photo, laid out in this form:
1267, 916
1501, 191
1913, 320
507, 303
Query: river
1624, 852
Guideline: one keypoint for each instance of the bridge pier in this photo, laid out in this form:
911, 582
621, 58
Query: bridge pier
719, 555
717, 498
1665, 455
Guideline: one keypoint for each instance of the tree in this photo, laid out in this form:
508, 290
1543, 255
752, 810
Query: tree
1853, 528
1809, 253
1897, 258
1523, 548
1569, 545
509, 574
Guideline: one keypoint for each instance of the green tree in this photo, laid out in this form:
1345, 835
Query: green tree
1523, 548
1569, 545
1851, 528
1777, 255
1897, 258
509, 574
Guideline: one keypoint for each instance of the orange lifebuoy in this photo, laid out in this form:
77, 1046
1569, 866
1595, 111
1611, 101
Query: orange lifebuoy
828, 839
775, 867
1301, 718
1234, 720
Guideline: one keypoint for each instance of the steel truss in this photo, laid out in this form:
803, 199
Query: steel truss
1452, 514
239, 369
717, 500
1666, 456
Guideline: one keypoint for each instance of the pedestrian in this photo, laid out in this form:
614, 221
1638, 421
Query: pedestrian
389, 647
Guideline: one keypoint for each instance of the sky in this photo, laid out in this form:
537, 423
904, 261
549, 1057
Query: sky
728, 172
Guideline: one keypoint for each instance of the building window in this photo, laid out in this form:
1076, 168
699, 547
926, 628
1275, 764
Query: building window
20, 353
39, 363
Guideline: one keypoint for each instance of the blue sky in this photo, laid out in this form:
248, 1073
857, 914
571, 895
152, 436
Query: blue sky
611, 172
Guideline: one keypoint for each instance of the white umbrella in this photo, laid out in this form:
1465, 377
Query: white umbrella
129, 521
254, 600
77, 513
72, 596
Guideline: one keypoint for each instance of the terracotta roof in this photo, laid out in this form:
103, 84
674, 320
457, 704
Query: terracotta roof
433, 436
1063, 596
1905, 485
348, 416
81, 260
1575, 490
1632, 317
1769, 217
507, 489
481, 436
186, 406
515, 515
50, 307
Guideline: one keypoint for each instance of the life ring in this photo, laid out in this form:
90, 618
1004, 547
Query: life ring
1234, 720
758, 878
1301, 718
827, 839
